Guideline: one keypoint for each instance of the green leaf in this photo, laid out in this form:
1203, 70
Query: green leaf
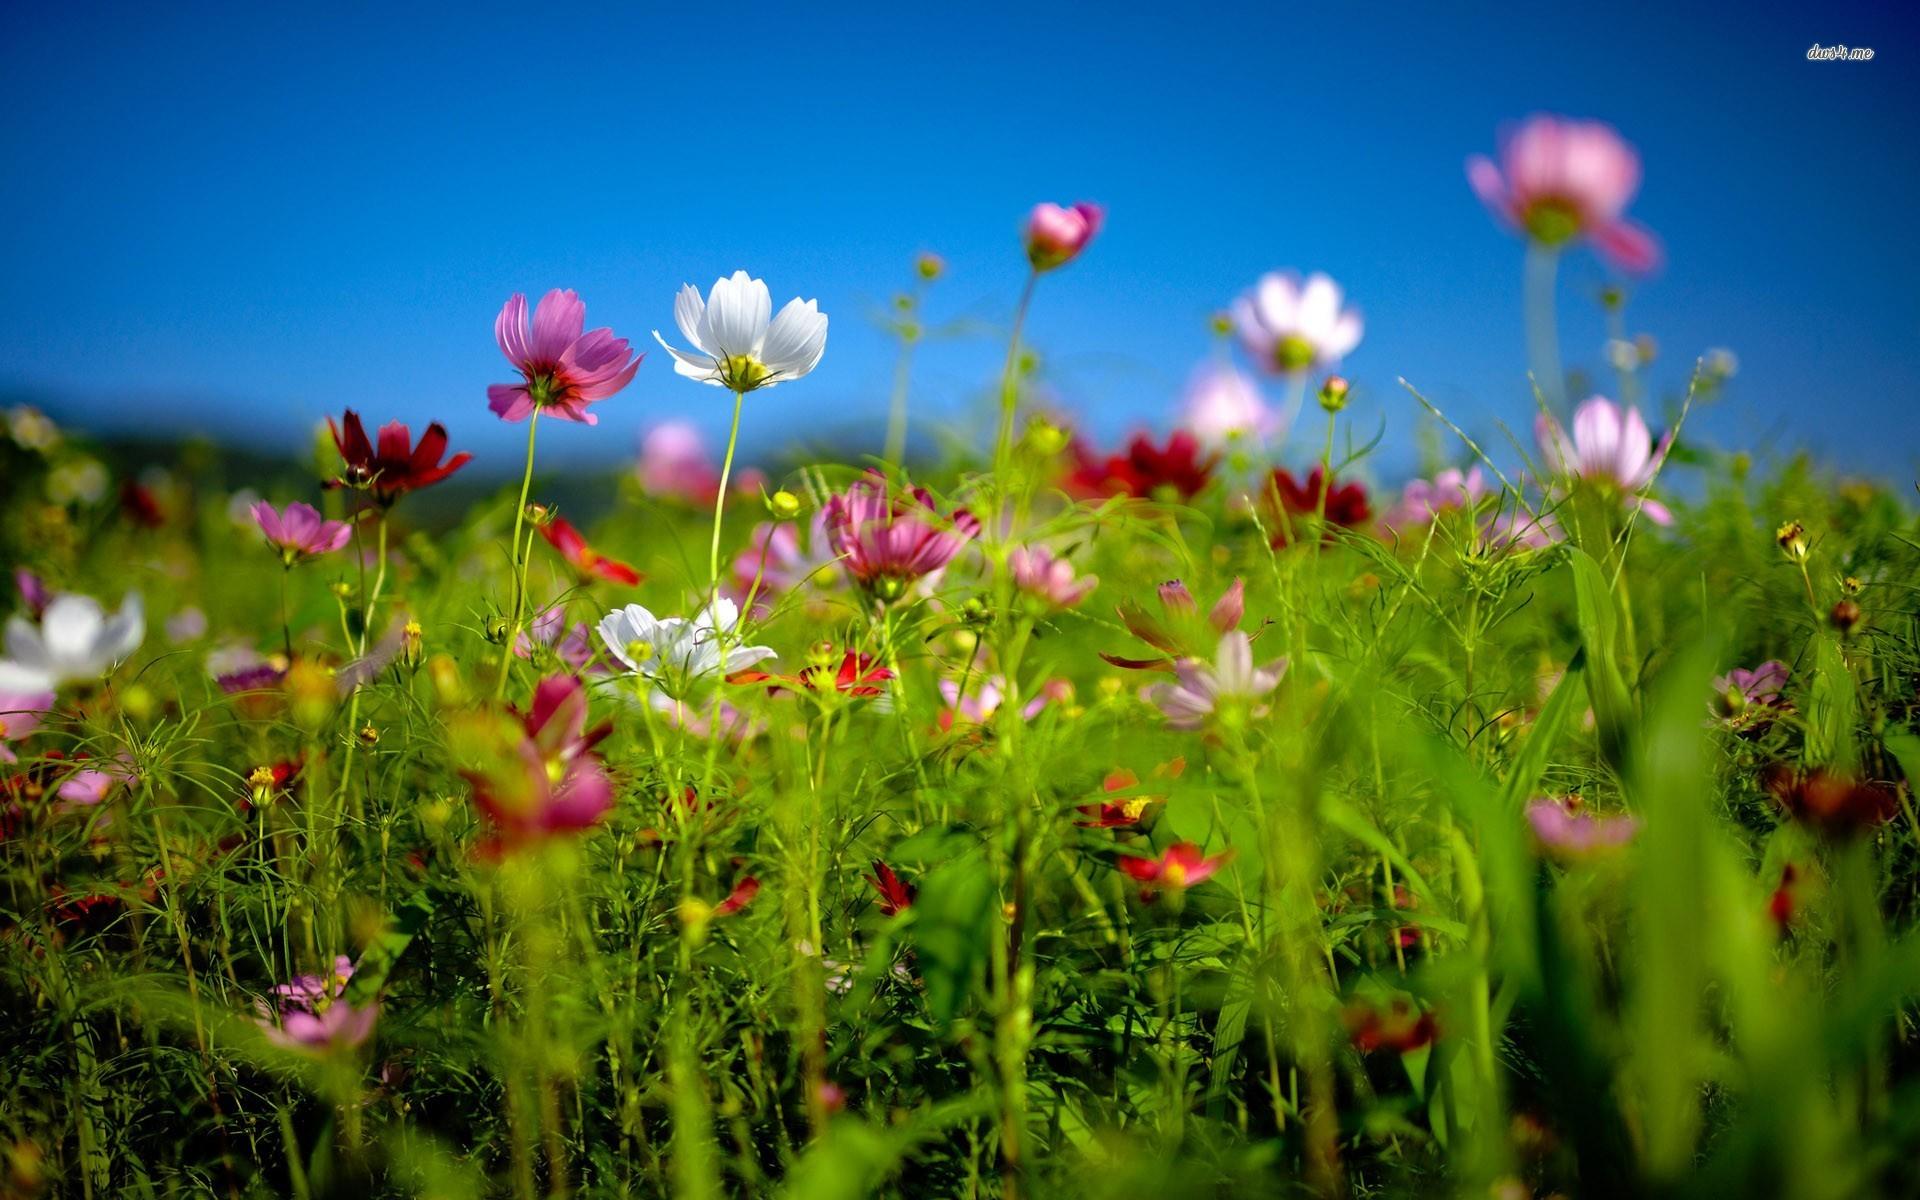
1599, 620
953, 918
377, 960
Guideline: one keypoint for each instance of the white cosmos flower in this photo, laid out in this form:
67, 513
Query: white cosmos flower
679, 649
738, 343
74, 640
1288, 327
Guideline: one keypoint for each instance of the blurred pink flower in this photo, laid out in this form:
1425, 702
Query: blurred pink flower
1180, 866
1199, 688
311, 1013
1055, 236
536, 776
562, 369
572, 646
1567, 829
1039, 574
1289, 327
20, 715
985, 694
300, 531
33, 592
1424, 500
1609, 448
889, 541
674, 465
1223, 404
780, 559
1559, 180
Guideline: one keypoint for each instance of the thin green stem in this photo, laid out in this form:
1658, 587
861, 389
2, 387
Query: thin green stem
1543, 334
720, 497
519, 589
1009, 402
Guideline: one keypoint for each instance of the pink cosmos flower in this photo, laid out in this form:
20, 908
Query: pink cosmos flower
1200, 688
1174, 631
33, 592
674, 465
1567, 830
1055, 236
1610, 449
1424, 500
572, 646
20, 715
1289, 327
780, 559
1744, 697
1180, 866
1039, 574
562, 369
1559, 180
890, 541
1223, 405
537, 776
300, 532
310, 1013
985, 695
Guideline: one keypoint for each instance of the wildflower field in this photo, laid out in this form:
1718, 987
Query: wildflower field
1198, 816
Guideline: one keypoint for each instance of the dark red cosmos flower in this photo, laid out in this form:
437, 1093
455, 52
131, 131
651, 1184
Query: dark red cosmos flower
1400, 1026
895, 894
1784, 904
1830, 802
141, 505
1291, 503
395, 465
572, 545
741, 896
1143, 469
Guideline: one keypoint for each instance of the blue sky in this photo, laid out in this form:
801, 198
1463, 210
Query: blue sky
240, 219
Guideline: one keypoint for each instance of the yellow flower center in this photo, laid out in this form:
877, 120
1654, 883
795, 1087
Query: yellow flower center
742, 373
1293, 353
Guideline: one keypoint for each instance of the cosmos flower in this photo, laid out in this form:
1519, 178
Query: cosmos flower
896, 896
394, 466
535, 776
1560, 180
1055, 236
1175, 632
74, 640
1292, 503
778, 559
311, 1014
1180, 866
1422, 502
590, 563
891, 541
1568, 830
1201, 689
856, 674
1048, 579
1223, 405
1829, 801
679, 650
20, 714
1288, 327
1400, 1026
1744, 696
300, 532
985, 694
1610, 449
1114, 811
737, 899
1179, 469
570, 645
737, 343
562, 370
33, 592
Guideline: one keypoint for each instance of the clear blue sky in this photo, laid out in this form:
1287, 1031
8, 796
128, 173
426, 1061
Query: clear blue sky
241, 218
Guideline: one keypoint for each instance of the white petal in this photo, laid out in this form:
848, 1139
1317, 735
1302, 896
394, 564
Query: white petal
1277, 300
739, 310
1319, 308
123, 632
742, 657
1343, 338
723, 614
24, 645
624, 626
70, 629
689, 311
19, 679
796, 340
693, 366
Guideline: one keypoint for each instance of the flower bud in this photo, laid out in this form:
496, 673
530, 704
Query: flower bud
539, 515
1845, 617
498, 629
930, 266
342, 590
369, 735
261, 784
783, 505
1333, 393
1851, 585
1221, 323
1793, 540
1055, 236
412, 644
1045, 438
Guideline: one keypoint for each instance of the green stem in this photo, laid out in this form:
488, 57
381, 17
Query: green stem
1009, 401
896, 448
720, 497
1543, 335
519, 590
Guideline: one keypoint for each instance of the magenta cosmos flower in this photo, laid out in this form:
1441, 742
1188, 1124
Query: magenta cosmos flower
1181, 865
1559, 180
1566, 829
562, 369
1048, 579
1610, 448
1223, 405
20, 715
310, 1013
537, 776
1424, 500
300, 531
1055, 236
891, 541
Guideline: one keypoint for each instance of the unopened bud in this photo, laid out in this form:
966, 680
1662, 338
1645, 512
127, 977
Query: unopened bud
1045, 438
1851, 585
1845, 616
369, 735
889, 588
497, 629
261, 784
1793, 540
930, 266
784, 505
342, 590
412, 644
539, 514
1333, 393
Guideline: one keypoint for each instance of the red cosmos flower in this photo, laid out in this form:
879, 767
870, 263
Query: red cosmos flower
1831, 803
1400, 1026
895, 895
572, 545
1290, 503
1144, 470
537, 775
741, 896
1181, 866
395, 466
1125, 811
1784, 904
857, 675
